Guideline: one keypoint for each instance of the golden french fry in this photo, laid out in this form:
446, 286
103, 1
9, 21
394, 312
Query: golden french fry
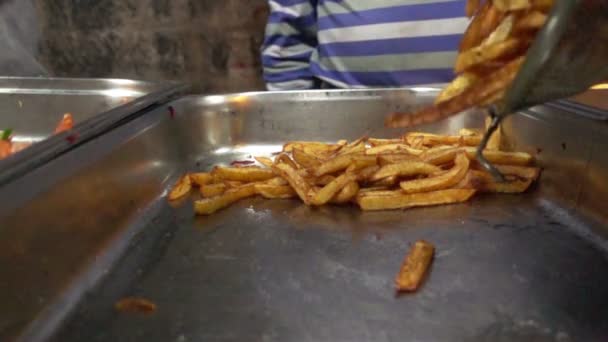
285, 159
201, 178
243, 174
325, 194
392, 148
499, 157
347, 193
297, 182
324, 180
392, 158
365, 191
181, 188
512, 5
405, 169
435, 139
212, 190
495, 140
484, 182
365, 174
470, 132
472, 7
442, 156
304, 159
415, 266
276, 181
484, 53
265, 161
209, 206
399, 200
457, 87
275, 191
534, 20
502, 31
378, 142
342, 162
310, 145
232, 184
388, 181
446, 180
525, 172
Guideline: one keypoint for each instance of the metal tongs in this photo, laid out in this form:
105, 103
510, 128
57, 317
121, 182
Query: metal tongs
569, 55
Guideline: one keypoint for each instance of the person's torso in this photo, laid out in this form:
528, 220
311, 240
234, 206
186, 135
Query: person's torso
387, 42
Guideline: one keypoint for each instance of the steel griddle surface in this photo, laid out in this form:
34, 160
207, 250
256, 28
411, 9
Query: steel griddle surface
507, 268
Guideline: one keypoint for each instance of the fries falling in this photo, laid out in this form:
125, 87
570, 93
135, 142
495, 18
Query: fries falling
416, 170
491, 53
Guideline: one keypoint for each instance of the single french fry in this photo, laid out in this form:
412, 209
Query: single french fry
392, 158
265, 161
405, 169
209, 206
341, 162
276, 181
212, 190
365, 174
201, 178
484, 53
436, 139
512, 5
388, 181
392, 148
472, 7
534, 20
484, 182
379, 142
499, 157
399, 200
525, 172
275, 191
297, 182
415, 266
283, 158
470, 132
304, 159
446, 180
442, 156
325, 194
347, 193
243, 174
324, 180
310, 145
457, 87
181, 188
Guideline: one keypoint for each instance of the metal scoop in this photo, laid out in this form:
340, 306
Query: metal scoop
569, 55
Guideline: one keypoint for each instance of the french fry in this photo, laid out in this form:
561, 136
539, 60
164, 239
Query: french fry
442, 156
325, 195
472, 7
512, 5
324, 180
392, 158
342, 162
209, 206
379, 142
534, 20
524, 172
310, 145
265, 161
304, 159
392, 148
457, 87
484, 53
297, 182
284, 159
388, 181
446, 180
399, 200
365, 174
543, 5
276, 181
212, 190
347, 193
405, 169
201, 178
243, 174
275, 191
470, 132
484, 182
499, 157
415, 266
435, 139
181, 188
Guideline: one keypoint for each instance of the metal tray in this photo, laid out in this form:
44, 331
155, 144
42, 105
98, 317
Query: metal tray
93, 226
32, 107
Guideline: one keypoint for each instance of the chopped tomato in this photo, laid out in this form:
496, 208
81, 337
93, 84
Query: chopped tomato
5, 148
66, 123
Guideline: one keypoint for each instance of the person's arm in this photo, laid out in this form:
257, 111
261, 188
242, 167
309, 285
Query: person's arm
290, 41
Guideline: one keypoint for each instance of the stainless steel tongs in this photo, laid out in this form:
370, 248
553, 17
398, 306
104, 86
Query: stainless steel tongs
569, 55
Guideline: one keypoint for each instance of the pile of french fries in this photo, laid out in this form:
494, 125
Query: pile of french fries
418, 169
491, 53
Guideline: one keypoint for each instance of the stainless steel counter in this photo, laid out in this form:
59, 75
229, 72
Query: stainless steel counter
93, 226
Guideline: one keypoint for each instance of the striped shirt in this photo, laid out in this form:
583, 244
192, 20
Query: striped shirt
361, 43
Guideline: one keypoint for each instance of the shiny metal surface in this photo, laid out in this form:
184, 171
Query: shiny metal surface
507, 267
32, 107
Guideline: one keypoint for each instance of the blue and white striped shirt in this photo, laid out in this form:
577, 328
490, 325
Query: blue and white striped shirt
361, 43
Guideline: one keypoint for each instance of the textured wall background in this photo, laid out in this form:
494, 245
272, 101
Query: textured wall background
212, 43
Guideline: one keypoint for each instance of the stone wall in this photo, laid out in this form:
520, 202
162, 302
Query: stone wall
212, 43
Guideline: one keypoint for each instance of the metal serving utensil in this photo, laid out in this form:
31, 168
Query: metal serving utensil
569, 55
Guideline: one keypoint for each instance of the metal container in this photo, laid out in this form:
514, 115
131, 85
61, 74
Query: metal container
93, 226
32, 107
